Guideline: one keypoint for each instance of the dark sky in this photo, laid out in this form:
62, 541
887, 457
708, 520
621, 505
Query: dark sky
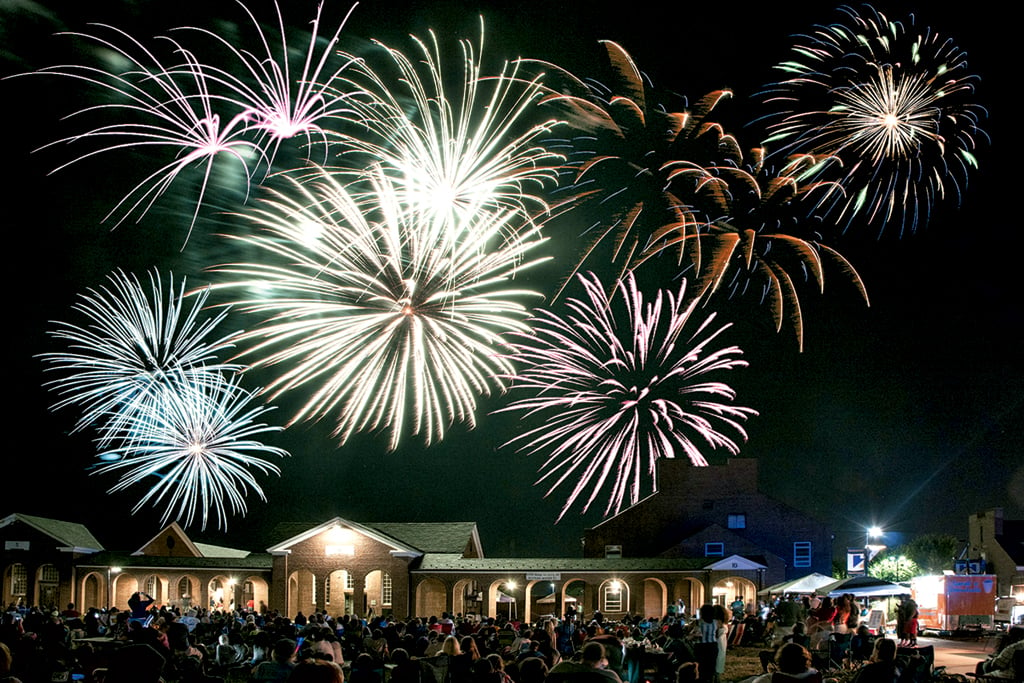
906, 414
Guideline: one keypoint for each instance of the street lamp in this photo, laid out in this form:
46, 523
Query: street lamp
874, 531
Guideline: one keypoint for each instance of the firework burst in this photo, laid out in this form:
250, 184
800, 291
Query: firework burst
892, 104
617, 394
395, 318
452, 154
640, 165
198, 443
132, 350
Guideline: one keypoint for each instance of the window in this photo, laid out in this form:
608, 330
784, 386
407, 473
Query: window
613, 551
151, 585
327, 590
738, 521
350, 583
49, 574
714, 549
385, 588
802, 554
314, 588
612, 597
19, 580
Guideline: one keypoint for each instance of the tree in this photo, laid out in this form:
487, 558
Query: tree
893, 567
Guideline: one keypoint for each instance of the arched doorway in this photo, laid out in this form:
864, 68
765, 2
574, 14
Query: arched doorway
691, 593
502, 600
338, 588
655, 598
255, 592
92, 591
156, 587
378, 592
186, 592
431, 598
301, 592
732, 588
124, 585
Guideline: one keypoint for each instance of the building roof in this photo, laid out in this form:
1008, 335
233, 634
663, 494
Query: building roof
69, 534
430, 537
515, 565
252, 561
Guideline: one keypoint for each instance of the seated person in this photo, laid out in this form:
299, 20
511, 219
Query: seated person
881, 668
794, 661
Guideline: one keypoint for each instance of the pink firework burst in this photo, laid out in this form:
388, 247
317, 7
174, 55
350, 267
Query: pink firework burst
618, 392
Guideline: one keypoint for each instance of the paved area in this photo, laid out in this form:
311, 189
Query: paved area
959, 656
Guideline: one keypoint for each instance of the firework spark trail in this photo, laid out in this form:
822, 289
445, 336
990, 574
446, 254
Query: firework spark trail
453, 154
617, 394
131, 349
278, 105
172, 115
199, 111
198, 442
891, 104
395, 318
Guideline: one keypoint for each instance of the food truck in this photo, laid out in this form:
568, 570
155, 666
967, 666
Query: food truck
951, 602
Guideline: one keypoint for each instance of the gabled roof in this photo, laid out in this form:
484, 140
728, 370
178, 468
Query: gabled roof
397, 546
434, 537
71, 535
153, 547
176, 532
434, 562
735, 563
220, 551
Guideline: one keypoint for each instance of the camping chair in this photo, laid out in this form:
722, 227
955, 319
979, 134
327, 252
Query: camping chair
434, 669
838, 650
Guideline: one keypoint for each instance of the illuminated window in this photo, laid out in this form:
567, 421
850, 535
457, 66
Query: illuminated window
49, 574
612, 597
19, 580
802, 554
314, 588
737, 521
714, 549
613, 551
327, 590
385, 588
350, 583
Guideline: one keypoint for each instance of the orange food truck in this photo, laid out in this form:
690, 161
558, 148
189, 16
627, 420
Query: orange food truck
951, 602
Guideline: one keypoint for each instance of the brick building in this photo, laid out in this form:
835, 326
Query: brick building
999, 543
715, 512
707, 535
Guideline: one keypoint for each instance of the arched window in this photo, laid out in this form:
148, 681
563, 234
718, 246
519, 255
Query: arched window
19, 580
614, 596
385, 589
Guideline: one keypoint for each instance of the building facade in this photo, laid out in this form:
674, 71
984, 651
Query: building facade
708, 535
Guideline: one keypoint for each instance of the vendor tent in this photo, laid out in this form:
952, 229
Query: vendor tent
805, 584
864, 587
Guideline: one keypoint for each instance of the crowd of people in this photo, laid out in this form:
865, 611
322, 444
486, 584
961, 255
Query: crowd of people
150, 643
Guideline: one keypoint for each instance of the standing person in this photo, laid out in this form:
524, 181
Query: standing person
722, 618
706, 649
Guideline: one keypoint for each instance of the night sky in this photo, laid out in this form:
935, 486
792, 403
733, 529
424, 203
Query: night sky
906, 414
